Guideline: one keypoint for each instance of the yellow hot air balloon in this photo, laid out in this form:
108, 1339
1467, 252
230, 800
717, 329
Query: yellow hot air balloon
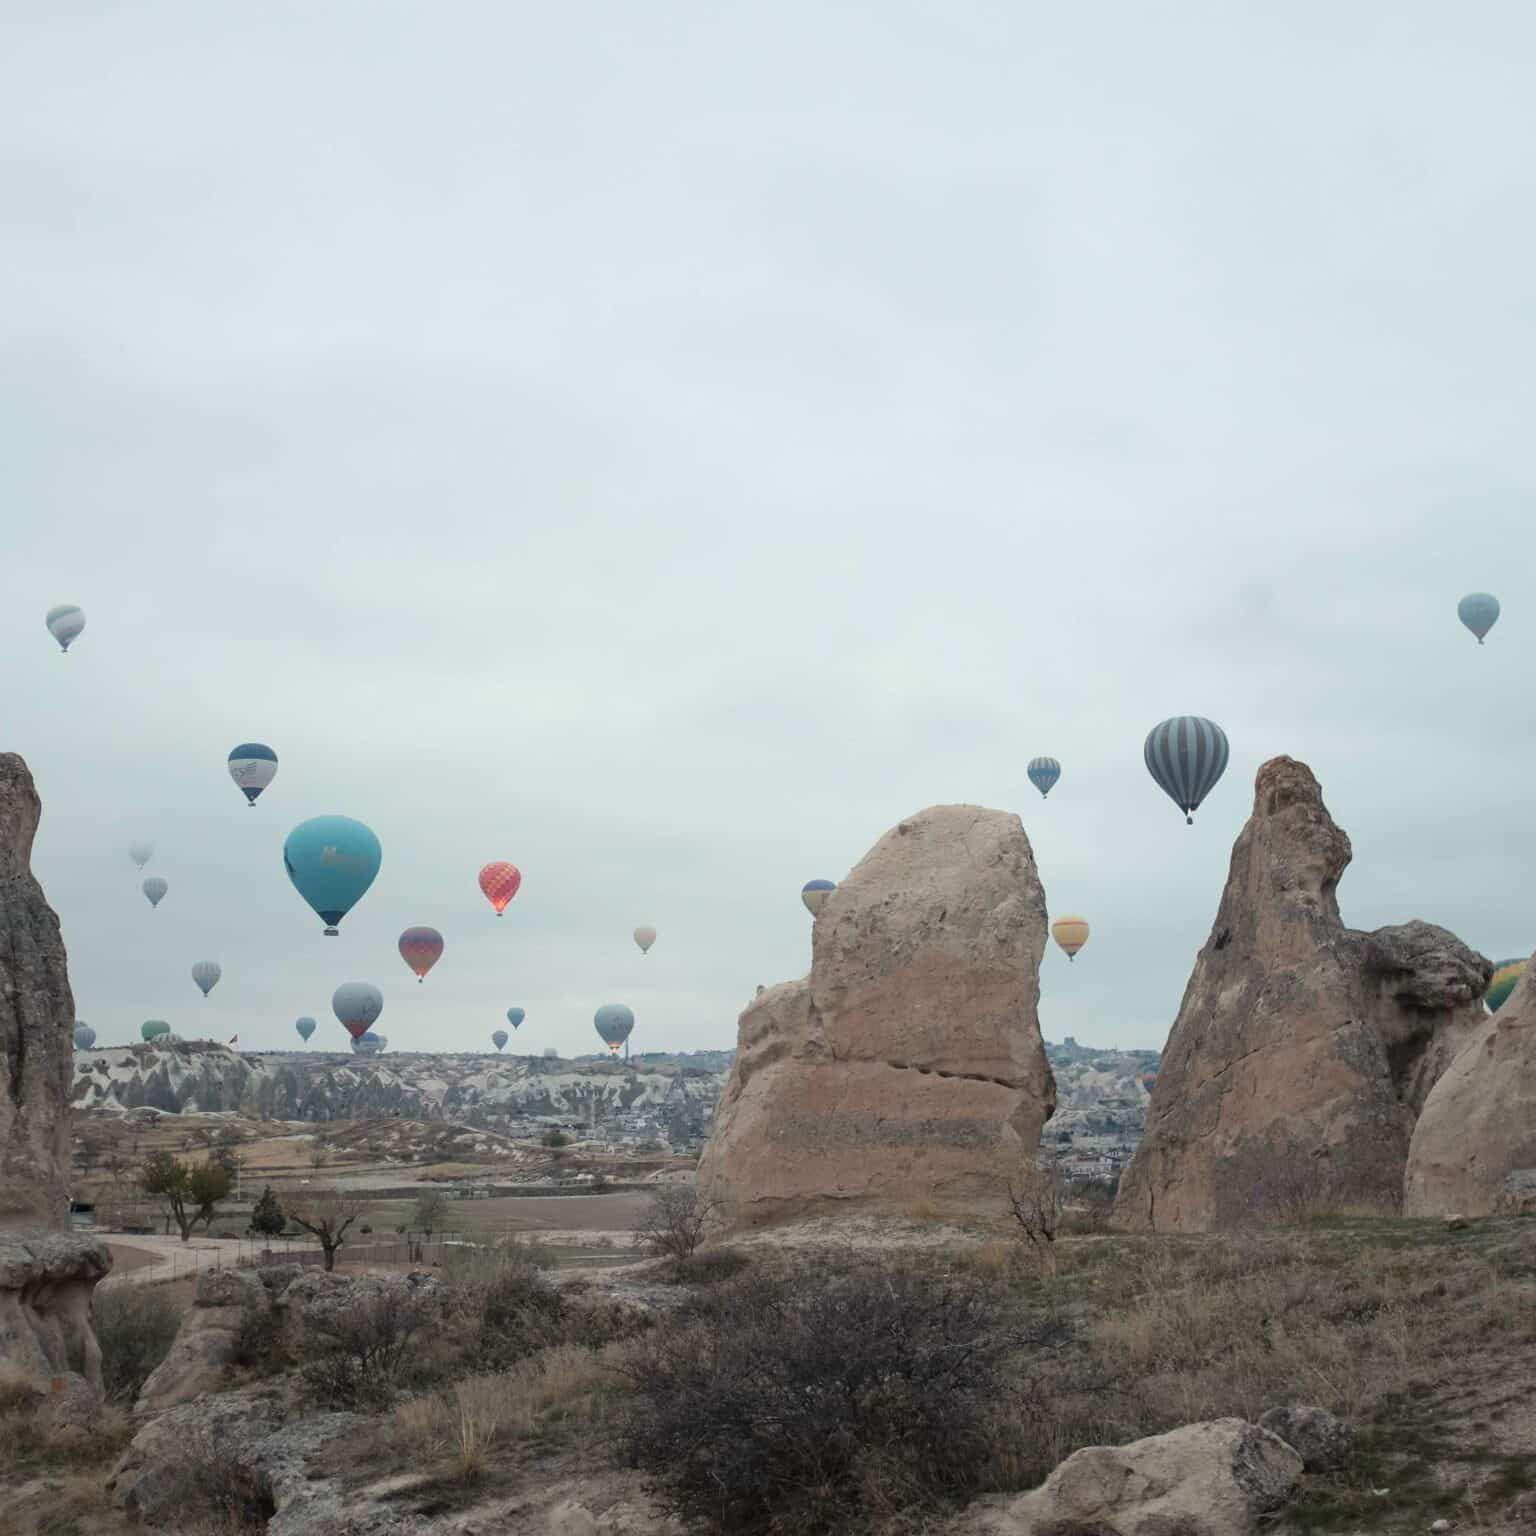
1071, 933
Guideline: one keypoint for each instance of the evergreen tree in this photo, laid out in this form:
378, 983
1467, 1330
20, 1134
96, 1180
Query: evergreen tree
268, 1217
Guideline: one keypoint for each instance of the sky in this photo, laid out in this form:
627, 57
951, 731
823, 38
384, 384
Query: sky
665, 445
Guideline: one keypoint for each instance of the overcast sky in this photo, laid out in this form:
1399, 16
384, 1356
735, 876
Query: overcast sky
665, 444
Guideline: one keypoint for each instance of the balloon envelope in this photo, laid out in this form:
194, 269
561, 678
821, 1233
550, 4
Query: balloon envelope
645, 937
252, 765
814, 894
1479, 611
206, 974
64, 623
141, 853
305, 1027
613, 1021
421, 949
1043, 773
1505, 975
1071, 933
499, 1038
1186, 755
500, 883
370, 1044
515, 1016
357, 1004
332, 860
152, 1029
85, 1036
154, 888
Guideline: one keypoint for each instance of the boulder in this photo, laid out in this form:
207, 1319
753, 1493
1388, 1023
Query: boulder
1221, 1478
205, 1344
908, 1066
46, 1282
1303, 1050
1324, 1443
1474, 1148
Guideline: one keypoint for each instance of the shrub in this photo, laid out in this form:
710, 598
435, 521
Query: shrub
258, 1344
555, 1139
820, 1402
708, 1267
135, 1325
362, 1350
673, 1225
210, 1486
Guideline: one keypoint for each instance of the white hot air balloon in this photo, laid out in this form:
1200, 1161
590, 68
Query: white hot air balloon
155, 888
206, 974
64, 623
141, 853
645, 937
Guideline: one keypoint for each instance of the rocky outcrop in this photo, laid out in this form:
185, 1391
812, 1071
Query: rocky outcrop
908, 1065
46, 1281
1474, 1147
1221, 1478
37, 1020
207, 1340
1303, 1050
1324, 1441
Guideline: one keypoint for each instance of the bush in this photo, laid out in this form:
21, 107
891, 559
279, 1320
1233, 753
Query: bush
820, 1403
555, 1139
708, 1267
361, 1352
259, 1345
673, 1225
211, 1488
135, 1325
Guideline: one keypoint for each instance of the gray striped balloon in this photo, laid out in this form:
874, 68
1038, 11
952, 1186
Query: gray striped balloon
1186, 755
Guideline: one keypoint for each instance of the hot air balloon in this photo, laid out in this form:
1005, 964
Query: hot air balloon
153, 1029
357, 1004
154, 888
305, 1027
370, 1044
1148, 1079
332, 860
1071, 933
252, 765
499, 1038
85, 1036
206, 974
1043, 773
1186, 755
645, 937
421, 949
1505, 974
515, 1016
613, 1021
64, 623
1479, 611
500, 883
814, 894
141, 853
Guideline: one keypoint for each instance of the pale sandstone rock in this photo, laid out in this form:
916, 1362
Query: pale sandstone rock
205, 1343
46, 1282
1303, 1050
1474, 1147
1221, 1478
908, 1065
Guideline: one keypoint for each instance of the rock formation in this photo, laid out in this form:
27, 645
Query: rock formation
1303, 1050
206, 1342
1474, 1148
46, 1274
908, 1065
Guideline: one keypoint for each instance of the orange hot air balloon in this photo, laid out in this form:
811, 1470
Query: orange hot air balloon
500, 883
1071, 933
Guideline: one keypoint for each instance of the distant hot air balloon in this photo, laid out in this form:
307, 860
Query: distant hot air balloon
85, 1036
1071, 933
141, 853
613, 1021
305, 1027
1186, 755
499, 1038
1148, 1079
369, 1044
421, 949
206, 974
332, 860
515, 1016
154, 888
645, 937
1479, 611
252, 765
357, 1004
814, 894
1505, 975
500, 882
64, 623
1043, 773
153, 1029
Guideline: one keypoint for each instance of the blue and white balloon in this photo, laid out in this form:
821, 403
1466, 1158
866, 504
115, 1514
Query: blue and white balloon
253, 766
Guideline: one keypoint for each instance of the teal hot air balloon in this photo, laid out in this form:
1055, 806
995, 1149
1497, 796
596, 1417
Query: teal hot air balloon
1479, 611
515, 1016
332, 860
1186, 756
369, 1044
85, 1036
305, 1027
153, 1029
613, 1021
499, 1038
1043, 773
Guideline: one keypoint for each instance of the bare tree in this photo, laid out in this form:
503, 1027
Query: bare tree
674, 1223
431, 1207
326, 1215
1038, 1201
